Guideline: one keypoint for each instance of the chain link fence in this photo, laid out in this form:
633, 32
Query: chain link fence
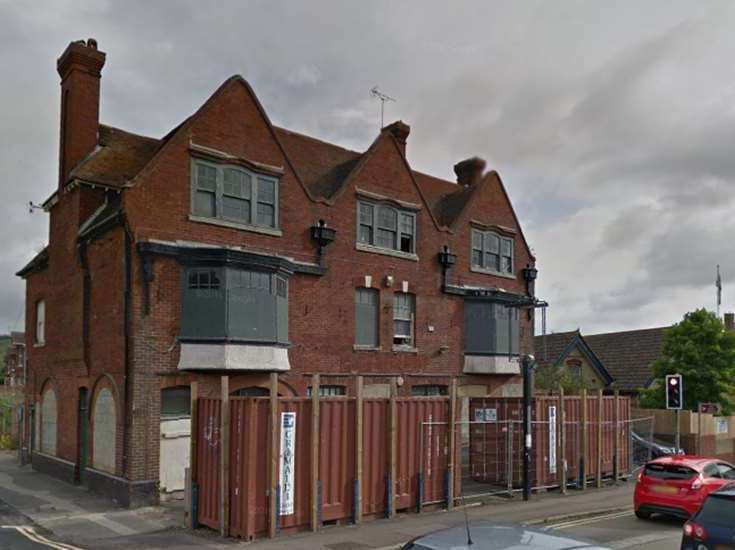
491, 453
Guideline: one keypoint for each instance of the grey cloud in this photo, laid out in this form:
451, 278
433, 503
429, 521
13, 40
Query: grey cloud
582, 107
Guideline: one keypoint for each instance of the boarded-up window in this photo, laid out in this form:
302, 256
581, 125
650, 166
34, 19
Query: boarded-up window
105, 432
176, 401
48, 422
490, 328
366, 317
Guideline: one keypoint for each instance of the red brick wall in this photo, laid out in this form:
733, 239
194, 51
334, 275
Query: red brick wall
321, 309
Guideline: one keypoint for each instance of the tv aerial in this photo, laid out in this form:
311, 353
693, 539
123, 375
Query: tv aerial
375, 92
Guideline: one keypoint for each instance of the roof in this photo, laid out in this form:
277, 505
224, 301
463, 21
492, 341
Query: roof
37, 263
323, 167
559, 345
118, 158
627, 355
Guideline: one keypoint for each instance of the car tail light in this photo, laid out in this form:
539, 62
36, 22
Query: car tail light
697, 483
640, 476
695, 530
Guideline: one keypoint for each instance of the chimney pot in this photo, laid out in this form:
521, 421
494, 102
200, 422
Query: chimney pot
469, 171
400, 131
92, 43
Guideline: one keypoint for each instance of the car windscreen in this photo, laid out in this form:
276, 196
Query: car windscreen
718, 510
668, 471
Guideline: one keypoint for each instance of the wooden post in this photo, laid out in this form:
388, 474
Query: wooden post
393, 448
699, 429
451, 466
193, 455
273, 470
315, 500
600, 411
561, 458
585, 433
358, 449
616, 435
224, 458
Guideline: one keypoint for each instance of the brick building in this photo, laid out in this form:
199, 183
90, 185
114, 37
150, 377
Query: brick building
234, 246
15, 360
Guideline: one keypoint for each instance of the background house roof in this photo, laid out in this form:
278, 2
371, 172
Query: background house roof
627, 355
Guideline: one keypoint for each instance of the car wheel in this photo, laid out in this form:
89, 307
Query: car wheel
642, 515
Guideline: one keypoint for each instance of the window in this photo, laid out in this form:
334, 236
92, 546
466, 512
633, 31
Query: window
427, 390
404, 312
41, 322
48, 422
176, 401
328, 390
251, 391
227, 303
492, 252
104, 436
366, 317
234, 194
386, 227
490, 328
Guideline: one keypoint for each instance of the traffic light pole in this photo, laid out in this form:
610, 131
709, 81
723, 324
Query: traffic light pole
678, 431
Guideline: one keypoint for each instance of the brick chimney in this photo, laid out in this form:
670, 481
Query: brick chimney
469, 171
400, 131
730, 322
79, 67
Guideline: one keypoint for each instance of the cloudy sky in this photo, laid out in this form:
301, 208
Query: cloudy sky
611, 123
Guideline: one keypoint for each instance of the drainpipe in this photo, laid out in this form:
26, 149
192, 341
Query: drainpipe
86, 288
127, 392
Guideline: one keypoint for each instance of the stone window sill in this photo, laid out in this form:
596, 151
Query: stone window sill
405, 349
358, 347
484, 271
39, 345
386, 251
274, 232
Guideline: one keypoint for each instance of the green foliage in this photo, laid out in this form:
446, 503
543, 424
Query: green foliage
551, 377
703, 352
4, 346
6, 443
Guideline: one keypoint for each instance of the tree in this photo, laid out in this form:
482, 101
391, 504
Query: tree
703, 352
550, 377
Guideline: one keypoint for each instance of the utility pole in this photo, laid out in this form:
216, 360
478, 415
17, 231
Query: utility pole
527, 363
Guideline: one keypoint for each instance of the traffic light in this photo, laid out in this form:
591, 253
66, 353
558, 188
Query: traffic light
674, 391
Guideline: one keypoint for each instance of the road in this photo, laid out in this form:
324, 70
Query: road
624, 530
17, 533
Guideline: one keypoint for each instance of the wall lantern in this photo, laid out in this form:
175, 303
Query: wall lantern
323, 236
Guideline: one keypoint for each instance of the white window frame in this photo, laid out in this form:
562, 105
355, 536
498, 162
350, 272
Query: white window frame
40, 336
482, 267
409, 340
375, 226
254, 199
328, 390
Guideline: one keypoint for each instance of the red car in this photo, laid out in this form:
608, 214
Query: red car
677, 485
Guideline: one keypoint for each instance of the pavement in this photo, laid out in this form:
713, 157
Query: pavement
71, 517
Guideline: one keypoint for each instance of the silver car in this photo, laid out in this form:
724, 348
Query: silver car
486, 535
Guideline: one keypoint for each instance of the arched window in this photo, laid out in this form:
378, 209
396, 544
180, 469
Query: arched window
104, 419
48, 422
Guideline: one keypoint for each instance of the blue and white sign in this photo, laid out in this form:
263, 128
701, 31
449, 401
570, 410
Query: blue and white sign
552, 439
288, 462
